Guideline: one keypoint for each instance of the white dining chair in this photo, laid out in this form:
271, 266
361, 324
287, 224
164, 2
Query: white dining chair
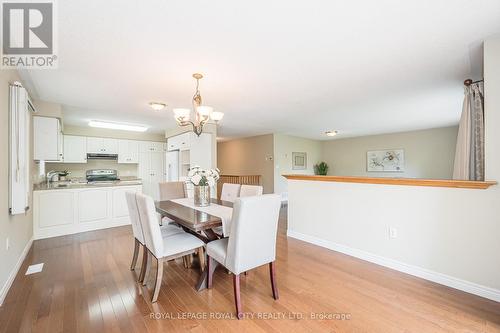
251, 242
163, 248
230, 192
166, 230
250, 190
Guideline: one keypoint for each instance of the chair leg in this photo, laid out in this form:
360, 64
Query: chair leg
185, 262
144, 263
136, 254
210, 273
272, 273
149, 263
159, 276
237, 298
201, 258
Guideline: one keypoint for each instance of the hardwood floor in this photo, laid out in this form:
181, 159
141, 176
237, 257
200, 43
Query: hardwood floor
87, 286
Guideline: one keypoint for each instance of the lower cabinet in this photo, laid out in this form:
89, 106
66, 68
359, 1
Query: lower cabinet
69, 211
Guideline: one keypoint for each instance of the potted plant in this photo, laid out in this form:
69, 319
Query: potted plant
203, 180
321, 169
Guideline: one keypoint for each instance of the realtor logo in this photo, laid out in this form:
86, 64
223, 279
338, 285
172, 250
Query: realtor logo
28, 34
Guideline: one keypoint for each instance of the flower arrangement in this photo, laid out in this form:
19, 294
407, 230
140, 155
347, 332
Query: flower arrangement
203, 177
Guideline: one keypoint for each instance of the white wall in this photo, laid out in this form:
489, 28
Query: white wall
448, 235
284, 146
18, 229
428, 153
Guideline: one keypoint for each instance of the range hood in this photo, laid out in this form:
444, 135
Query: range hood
113, 157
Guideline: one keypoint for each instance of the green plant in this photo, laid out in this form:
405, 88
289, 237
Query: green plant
321, 169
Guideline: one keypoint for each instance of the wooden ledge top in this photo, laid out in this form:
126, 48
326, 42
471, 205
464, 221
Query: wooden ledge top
397, 181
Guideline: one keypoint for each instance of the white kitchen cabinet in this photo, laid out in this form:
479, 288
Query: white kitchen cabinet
75, 149
102, 145
47, 138
180, 142
151, 146
128, 151
152, 172
68, 211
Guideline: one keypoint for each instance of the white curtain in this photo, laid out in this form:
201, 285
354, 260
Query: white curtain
469, 153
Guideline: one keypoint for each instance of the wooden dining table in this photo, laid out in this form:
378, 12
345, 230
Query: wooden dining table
195, 222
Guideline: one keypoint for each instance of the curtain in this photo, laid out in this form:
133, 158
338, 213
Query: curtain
469, 153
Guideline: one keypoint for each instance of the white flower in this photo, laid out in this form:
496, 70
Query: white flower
196, 179
211, 181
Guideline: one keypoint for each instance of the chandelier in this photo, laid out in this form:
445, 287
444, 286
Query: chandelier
202, 113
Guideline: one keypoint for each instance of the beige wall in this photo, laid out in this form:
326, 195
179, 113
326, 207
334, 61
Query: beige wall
19, 228
428, 153
248, 156
284, 146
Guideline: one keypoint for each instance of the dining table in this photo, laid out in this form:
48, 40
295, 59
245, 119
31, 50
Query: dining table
197, 223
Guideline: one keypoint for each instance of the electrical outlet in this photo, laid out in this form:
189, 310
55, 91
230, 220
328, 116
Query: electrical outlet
393, 232
7, 244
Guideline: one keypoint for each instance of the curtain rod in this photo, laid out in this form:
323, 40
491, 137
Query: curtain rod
468, 82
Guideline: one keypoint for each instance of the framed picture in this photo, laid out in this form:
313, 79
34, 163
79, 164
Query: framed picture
299, 161
392, 160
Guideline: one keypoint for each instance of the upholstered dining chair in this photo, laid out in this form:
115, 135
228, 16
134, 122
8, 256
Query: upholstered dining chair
163, 248
250, 190
251, 242
166, 230
230, 192
172, 190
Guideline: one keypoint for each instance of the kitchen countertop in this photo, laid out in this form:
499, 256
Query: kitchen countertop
81, 183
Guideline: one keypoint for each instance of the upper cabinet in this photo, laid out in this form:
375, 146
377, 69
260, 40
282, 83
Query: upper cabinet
48, 140
180, 142
75, 149
151, 147
128, 151
102, 146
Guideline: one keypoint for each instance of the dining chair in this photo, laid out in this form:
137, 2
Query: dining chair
166, 230
230, 192
163, 248
172, 190
250, 190
251, 242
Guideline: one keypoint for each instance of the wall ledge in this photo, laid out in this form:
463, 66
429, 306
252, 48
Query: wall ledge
397, 181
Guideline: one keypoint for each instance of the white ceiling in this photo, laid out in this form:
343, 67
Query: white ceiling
297, 67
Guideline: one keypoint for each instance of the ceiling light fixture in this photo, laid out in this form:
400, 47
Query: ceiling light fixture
117, 126
157, 106
331, 133
202, 113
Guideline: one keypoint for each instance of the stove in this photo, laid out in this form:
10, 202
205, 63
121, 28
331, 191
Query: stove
102, 175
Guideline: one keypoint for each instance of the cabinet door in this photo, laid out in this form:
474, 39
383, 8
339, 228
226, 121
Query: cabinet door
156, 147
55, 208
144, 146
75, 149
93, 205
94, 145
144, 171
128, 151
185, 140
173, 143
120, 207
46, 139
110, 146
157, 173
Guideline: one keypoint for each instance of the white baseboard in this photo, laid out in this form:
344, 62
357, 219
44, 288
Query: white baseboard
13, 273
450, 281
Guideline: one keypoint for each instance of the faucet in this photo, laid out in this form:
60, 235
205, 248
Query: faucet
50, 176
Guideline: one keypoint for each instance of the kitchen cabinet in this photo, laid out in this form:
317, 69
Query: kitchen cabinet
152, 171
47, 138
74, 149
102, 145
180, 142
151, 146
68, 211
128, 151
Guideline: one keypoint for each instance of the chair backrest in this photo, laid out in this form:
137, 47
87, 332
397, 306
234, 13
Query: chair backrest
250, 190
150, 225
252, 240
133, 213
172, 190
230, 192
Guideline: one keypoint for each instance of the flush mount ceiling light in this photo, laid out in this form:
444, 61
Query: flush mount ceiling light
331, 133
202, 113
157, 106
117, 126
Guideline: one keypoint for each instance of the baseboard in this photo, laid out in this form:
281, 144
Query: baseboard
13, 273
449, 281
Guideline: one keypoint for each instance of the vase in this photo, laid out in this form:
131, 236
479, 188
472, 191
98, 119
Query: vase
202, 195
